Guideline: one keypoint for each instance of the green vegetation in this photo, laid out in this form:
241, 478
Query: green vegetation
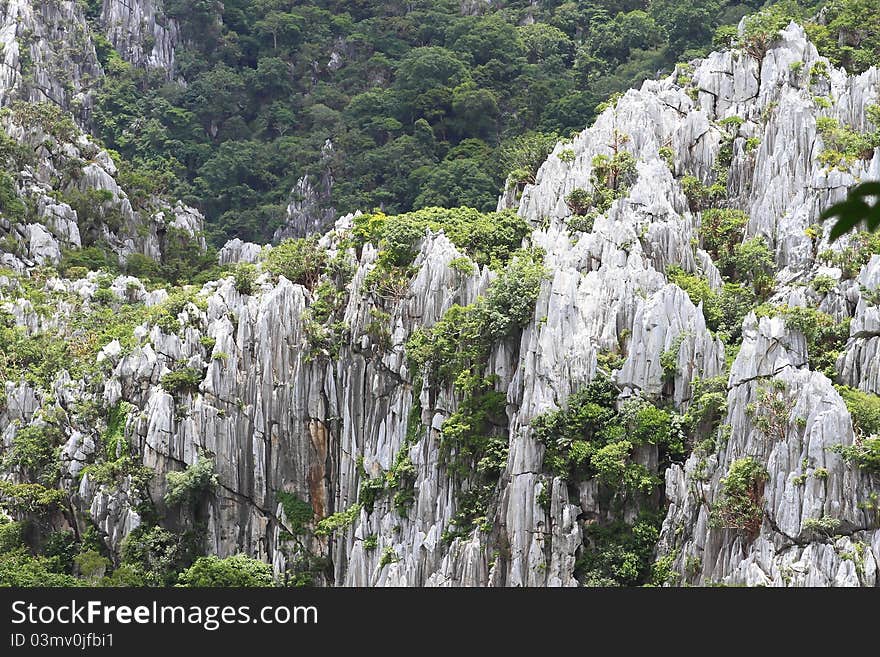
706, 411
190, 485
300, 261
11, 206
425, 104
488, 239
182, 381
852, 212
619, 554
842, 145
590, 438
864, 407
455, 351
338, 521
825, 335
244, 277
34, 452
724, 311
297, 512
154, 556
389, 556
740, 503
238, 570
521, 156
20, 568
771, 411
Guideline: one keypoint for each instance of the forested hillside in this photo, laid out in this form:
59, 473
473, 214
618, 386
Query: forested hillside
397, 105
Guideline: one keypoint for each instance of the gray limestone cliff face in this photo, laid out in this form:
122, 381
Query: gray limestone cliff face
141, 32
64, 169
815, 528
48, 58
278, 415
309, 210
47, 55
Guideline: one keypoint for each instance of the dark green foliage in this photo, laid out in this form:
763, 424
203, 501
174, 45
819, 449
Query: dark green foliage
700, 196
415, 81
610, 178
740, 502
707, 409
11, 206
855, 210
153, 556
46, 116
590, 438
522, 156
91, 258
369, 492
721, 231
619, 554
850, 36
19, 568
864, 453
238, 570
300, 261
182, 381
192, 484
842, 145
60, 547
34, 451
468, 432
473, 507
297, 512
95, 208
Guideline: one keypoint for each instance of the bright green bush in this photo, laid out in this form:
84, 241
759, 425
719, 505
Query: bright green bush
244, 277
487, 238
184, 380
30, 498
300, 261
188, 486
338, 521
239, 571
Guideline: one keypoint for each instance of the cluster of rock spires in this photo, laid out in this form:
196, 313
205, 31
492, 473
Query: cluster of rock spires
277, 419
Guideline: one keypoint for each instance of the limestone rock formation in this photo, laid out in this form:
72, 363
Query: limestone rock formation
331, 421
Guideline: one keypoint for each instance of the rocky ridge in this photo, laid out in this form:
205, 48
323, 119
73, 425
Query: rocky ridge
276, 417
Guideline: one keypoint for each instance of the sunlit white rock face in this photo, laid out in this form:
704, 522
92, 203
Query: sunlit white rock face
277, 418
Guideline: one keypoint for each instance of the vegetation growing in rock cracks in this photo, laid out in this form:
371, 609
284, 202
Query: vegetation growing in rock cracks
739, 505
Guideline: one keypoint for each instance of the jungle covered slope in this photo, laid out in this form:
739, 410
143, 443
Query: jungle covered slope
397, 105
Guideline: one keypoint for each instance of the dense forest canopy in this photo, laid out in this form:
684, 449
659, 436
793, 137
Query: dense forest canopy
405, 104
